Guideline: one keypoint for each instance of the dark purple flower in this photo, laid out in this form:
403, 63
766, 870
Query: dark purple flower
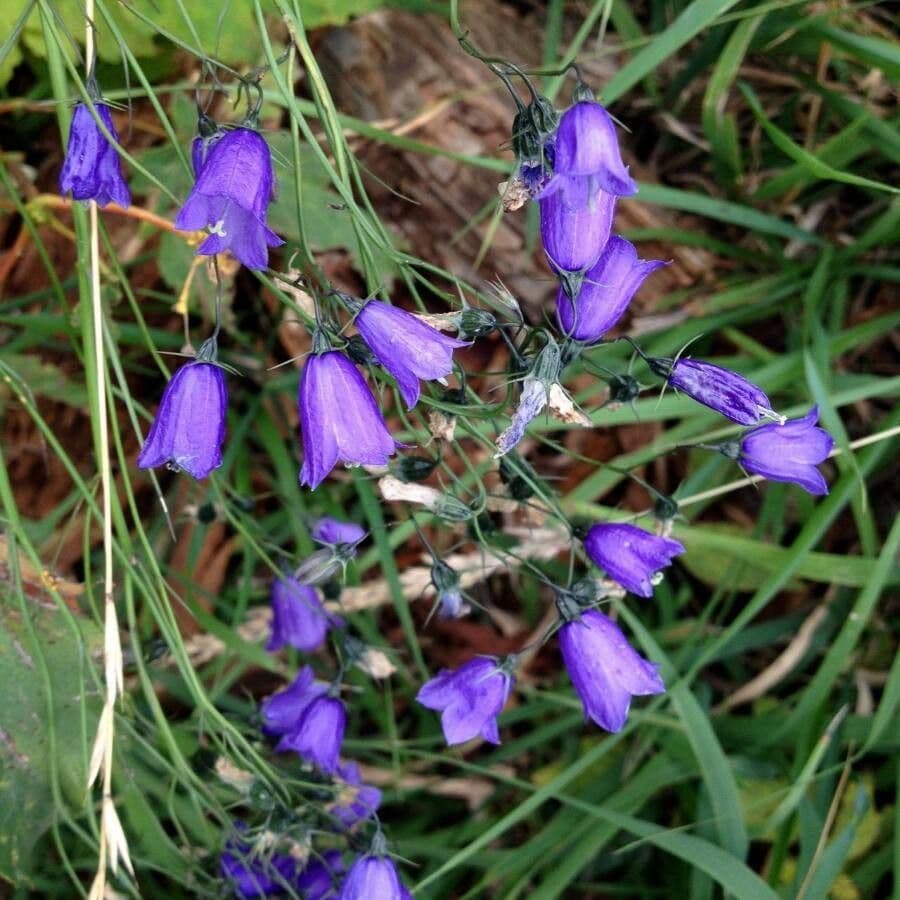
189, 427
605, 669
339, 418
318, 733
333, 531
317, 880
254, 874
282, 711
469, 699
230, 197
298, 617
406, 346
789, 452
92, 169
355, 801
586, 144
372, 877
605, 293
722, 390
576, 222
630, 555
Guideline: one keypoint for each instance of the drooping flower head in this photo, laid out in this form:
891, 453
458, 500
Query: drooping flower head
406, 346
469, 699
586, 144
318, 881
333, 531
230, 198
720, 389
576, 221
339, 419
282, 711
605, 669
445, 581
373, 876
355, 801
789, 452
298, 618
253, 873
630, 555
189, 427
605, 292
318, 733
92, 169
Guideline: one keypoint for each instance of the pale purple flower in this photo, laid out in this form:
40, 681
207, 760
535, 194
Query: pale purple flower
282, 711
255, 874
469, 699
339, 419
333, 531
373, 877
789, 452
298, 618
630, 555
605, 293
230, 198
576, 221
318, 733
317, 880
605, 669
355, 801
92, 169
720, 389
189, 427
586, 144
406, 346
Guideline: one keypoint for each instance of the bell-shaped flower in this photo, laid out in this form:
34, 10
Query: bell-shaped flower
630, 555
92, 169
253, 873
189, 427
282, 711
720, 389
333, 531
605, 292
586, 144
319, 878
355, 801
318, 733
406, 346
469, 699
373, 876
339, 419
605, 669
576, 222
445, 581
298, 618
789, 452
230, 198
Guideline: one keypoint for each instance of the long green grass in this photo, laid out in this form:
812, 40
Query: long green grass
791, 792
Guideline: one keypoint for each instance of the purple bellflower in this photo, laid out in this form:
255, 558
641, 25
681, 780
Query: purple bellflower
373, 876
318, 733
789, 452
469, 699
339, 418
630, 555
189, 427
317, 880
406, 346
298, 618
254, 874
355, 801
333, 531
605, 669
586, 145
282, 711
605, 293
230, 197
720, 389
92, 169
575, 223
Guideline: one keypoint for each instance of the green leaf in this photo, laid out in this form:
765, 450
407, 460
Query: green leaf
33, 375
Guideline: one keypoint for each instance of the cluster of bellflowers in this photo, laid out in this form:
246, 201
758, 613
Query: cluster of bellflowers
569, 163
